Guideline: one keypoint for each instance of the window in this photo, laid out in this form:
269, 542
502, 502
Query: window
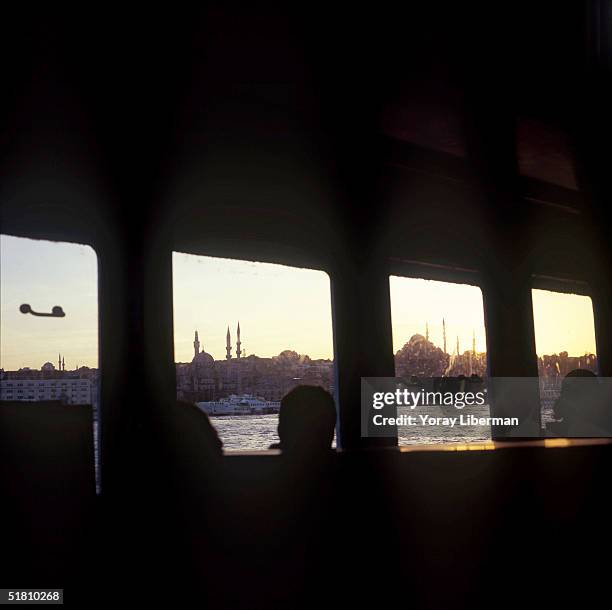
45, 352
439, 342
565, 343
245, 334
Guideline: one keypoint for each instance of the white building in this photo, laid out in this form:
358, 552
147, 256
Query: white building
73, 391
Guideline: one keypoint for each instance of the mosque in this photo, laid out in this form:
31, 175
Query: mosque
207, 379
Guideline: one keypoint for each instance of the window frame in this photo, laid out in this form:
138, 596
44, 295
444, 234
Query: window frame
267, 253
61, 237
566, 285
439, 272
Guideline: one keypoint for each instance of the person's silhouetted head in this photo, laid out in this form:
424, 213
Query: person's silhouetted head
195, 432
576, 394
580, 373
307, 419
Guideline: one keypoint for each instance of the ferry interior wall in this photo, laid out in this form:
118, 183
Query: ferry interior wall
437, 141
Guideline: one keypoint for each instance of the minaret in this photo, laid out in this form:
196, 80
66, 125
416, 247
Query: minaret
444, 334
63, 364
59, 362
238, 341
196, 344
471, 363
228, 345
426, 331
473, 343
457, 345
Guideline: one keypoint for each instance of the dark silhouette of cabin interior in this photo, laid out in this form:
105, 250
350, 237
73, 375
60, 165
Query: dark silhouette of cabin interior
465, 143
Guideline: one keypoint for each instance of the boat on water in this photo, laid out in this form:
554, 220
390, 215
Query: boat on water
243, 404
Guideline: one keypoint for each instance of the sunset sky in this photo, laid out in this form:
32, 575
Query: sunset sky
44, 274
278, 308
415, 302
563, 322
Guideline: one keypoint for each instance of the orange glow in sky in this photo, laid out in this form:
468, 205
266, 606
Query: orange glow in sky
563, 323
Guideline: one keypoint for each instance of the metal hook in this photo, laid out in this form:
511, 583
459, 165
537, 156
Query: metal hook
56, 312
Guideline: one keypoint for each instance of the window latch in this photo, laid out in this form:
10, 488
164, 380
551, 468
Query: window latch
56, 312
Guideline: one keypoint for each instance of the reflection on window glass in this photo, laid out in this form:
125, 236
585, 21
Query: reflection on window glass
245, 334
545, 153
565, 345
439, 342
49, 358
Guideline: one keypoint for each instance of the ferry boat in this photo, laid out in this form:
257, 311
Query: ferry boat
244, 404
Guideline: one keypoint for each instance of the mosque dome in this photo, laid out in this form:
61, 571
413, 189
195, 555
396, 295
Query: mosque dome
417, 339
203, 360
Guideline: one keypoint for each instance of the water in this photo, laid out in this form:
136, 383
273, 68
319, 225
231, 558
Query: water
426, 435
246, 432
258, 432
